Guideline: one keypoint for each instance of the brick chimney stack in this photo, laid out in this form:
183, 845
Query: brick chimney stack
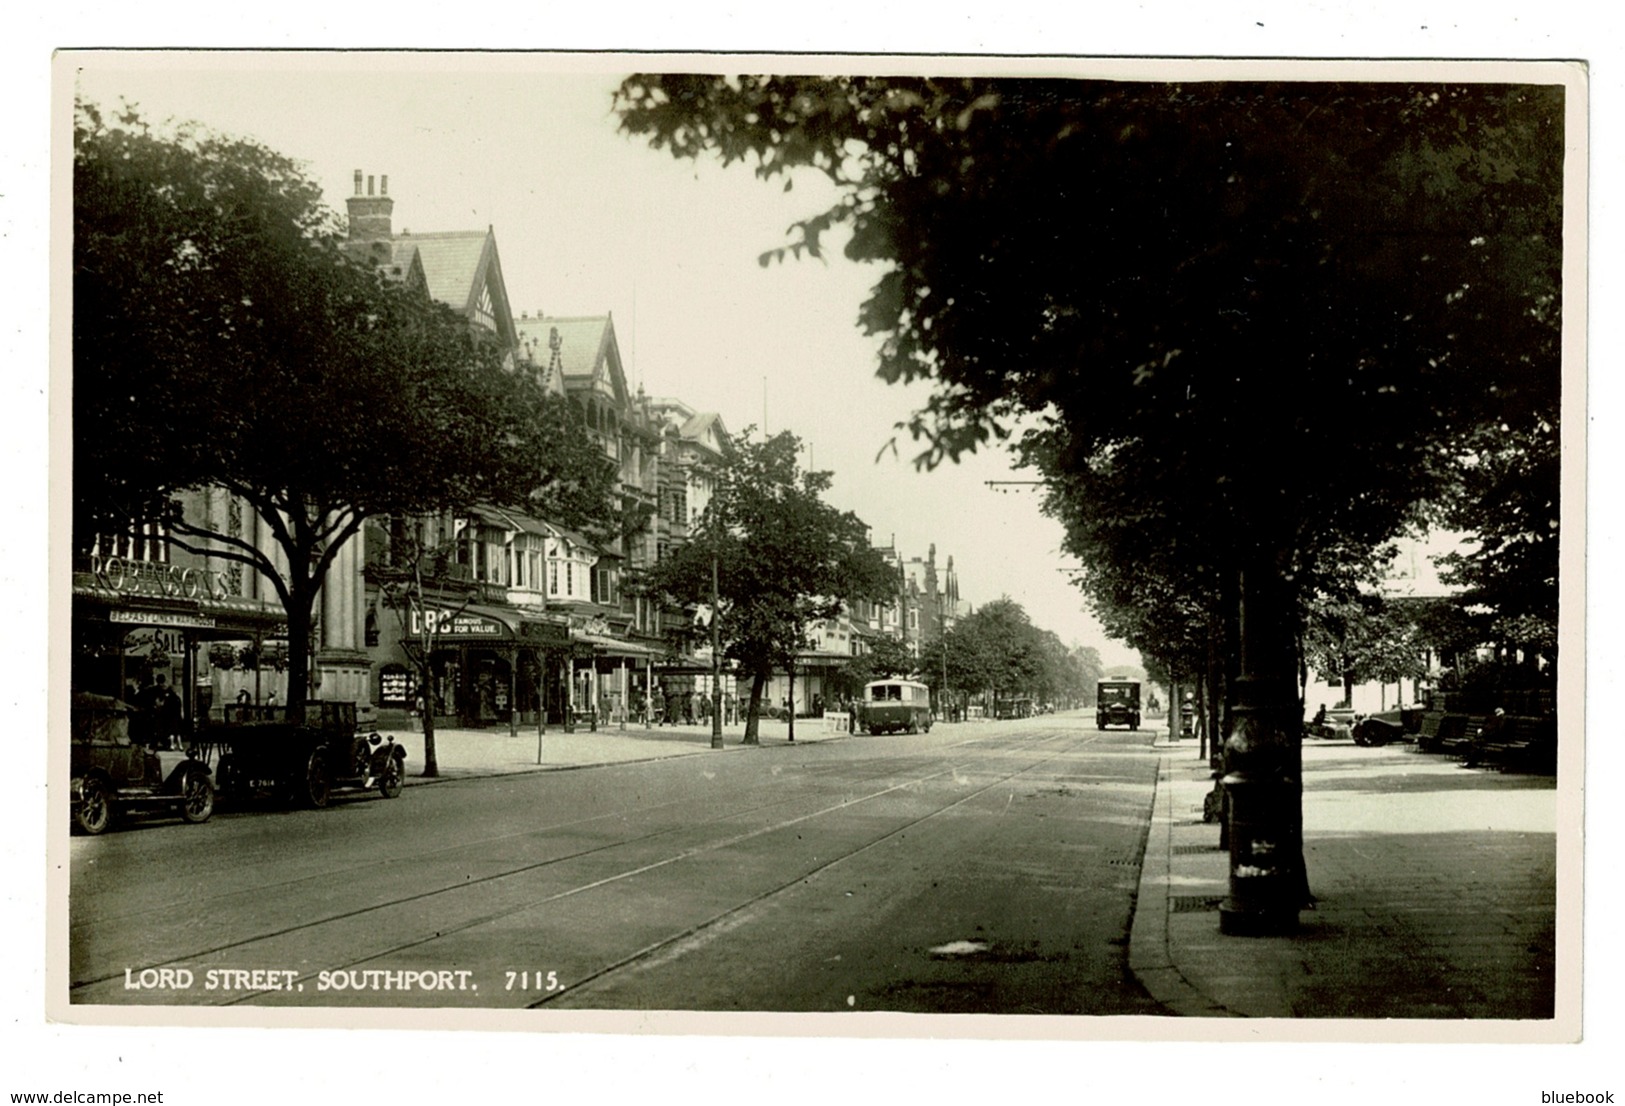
370, 216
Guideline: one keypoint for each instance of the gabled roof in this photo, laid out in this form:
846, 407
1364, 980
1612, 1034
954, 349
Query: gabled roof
703, 428
707, 429
462, 271
588, 353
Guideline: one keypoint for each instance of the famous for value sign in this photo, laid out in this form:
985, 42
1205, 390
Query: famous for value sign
456, 623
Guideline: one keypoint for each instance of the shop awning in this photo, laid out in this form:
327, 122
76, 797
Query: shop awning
201, 616
605, 646
478, 624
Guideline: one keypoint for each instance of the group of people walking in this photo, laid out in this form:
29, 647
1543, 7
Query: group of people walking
679, 708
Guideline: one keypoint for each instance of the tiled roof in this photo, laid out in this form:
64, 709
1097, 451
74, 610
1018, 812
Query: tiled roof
581, 340
451, 263
405, 255
695, 429
587, 348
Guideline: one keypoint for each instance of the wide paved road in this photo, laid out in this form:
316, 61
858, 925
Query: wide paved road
984, 868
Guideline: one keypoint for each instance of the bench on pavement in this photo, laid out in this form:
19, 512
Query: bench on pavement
1522, 744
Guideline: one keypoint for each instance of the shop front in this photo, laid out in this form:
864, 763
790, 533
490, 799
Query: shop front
488, 665
684, 690
610, 676
138, 626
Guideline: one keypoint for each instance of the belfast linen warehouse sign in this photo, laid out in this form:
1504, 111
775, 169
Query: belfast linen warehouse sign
1022, 874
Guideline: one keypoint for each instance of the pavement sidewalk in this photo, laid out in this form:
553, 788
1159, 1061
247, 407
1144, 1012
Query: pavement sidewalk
1435, 888
493, 751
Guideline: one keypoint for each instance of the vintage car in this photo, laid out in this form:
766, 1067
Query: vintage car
303, 762
1016, 706
112, 774
1117, 703
1388, 726
1336, 724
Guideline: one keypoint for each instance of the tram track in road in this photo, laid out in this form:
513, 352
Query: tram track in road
649, 951
89, 917
887, 767
654, 948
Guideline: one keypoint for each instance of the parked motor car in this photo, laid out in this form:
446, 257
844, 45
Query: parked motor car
1336, 724
305, 762
112, 774
1016, 706
1387, 727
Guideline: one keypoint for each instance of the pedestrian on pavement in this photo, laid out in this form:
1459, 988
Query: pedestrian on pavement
1487, 737
165, 712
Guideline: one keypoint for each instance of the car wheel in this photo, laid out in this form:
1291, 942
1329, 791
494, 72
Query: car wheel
314, 787
197, 798
389, 784
93, 812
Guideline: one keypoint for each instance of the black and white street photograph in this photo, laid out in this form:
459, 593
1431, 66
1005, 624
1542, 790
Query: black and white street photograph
1062, 550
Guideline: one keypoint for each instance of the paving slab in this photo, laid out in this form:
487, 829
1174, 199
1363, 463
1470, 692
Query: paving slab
493, 751
1435, 894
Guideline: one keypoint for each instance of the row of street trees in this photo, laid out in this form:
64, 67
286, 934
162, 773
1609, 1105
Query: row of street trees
768, 559
1257, 331
781, 559
996, 652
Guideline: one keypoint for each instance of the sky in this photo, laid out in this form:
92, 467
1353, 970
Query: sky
590, 221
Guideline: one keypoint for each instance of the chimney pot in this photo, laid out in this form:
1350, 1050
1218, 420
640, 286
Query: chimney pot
369, 184
358, 182
383, 185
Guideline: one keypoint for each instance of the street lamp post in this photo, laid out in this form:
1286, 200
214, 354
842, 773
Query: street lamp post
716, 662
1262, 765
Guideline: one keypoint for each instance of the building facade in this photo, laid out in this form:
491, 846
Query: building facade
521, 620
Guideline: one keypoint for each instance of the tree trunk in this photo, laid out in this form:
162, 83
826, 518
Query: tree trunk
431, 764
753, 735
299, 651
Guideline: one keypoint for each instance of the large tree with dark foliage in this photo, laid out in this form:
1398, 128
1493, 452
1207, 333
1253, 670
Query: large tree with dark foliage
223, 337
780, 556
1267, 319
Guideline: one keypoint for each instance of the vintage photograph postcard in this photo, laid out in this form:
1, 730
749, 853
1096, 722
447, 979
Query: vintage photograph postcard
824, 546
